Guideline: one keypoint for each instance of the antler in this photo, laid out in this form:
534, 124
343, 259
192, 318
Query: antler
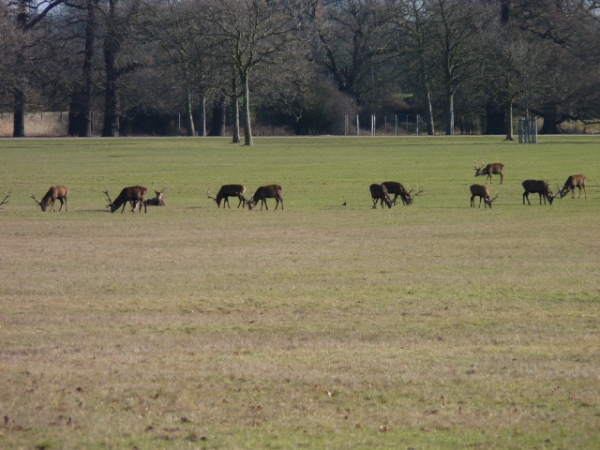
159, 192
411, 192
6, 201
35, 199
109, 200
212, 198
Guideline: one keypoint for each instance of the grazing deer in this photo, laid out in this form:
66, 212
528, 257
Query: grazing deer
265, 192
380, 194
60, 193
5, 201
574, 181
230, 190
407, 197
489, 170
159, 200
132, 194
537, 187
481, 191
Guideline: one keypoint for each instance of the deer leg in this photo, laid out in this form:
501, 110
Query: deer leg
526, 196
583, 192
226, 201
501, 178
62, 202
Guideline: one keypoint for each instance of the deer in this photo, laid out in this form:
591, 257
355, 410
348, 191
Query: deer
407, 197
574, 181
265, 192
59, 192
159, 200
132, 194
380, 194
481, 191
230, 190
537, 187
5, 201
489, 170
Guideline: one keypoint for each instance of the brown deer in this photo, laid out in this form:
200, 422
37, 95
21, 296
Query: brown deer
230, 190
574, 181
265, 192
407, 197
537, 187
489, 170
60, 193
5, 201
159, 200
380, 194
133, 195
481, 191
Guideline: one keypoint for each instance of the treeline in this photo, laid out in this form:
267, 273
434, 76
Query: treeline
299, 65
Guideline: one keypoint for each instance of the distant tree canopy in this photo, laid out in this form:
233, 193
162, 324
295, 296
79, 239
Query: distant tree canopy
299, 65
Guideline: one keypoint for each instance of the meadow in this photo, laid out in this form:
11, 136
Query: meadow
329, 326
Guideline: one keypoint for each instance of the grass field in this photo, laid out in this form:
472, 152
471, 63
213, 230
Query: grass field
321, 326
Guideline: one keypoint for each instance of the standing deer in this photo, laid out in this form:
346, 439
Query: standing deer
230, 190
574, 181
407, 197
265, 192
132, 194
159, 200
60, 193
489, 170
481, 191
380, 194
537, 187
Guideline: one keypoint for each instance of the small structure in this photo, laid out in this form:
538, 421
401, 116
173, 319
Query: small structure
528, 130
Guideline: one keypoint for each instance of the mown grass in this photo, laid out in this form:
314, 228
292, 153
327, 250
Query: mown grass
321, 326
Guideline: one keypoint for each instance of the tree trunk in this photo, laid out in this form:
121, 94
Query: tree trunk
85, 126
202, 131
19, 111
236, 120
189, 116
430, 123
111, 48
450, 113
247, 118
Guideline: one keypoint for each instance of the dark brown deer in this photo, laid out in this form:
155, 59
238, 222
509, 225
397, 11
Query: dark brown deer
159, 200
481, 191
60, 193
265, 192
380, 194
5, 201
230, 190
489, 170
537, 187
574, 181
407, 197
133, 195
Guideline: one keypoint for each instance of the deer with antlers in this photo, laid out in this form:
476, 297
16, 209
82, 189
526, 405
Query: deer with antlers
159, 200
574, 181
407, 197
263, 193
60, 193
133, 195
380, 194
481, 191
230, 190
489, 170
540, 187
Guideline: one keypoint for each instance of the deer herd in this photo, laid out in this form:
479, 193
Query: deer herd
135, 196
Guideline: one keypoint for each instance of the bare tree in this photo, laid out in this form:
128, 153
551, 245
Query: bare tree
28, 16
250, 33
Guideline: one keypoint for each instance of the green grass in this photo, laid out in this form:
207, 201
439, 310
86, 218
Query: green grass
321, 326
